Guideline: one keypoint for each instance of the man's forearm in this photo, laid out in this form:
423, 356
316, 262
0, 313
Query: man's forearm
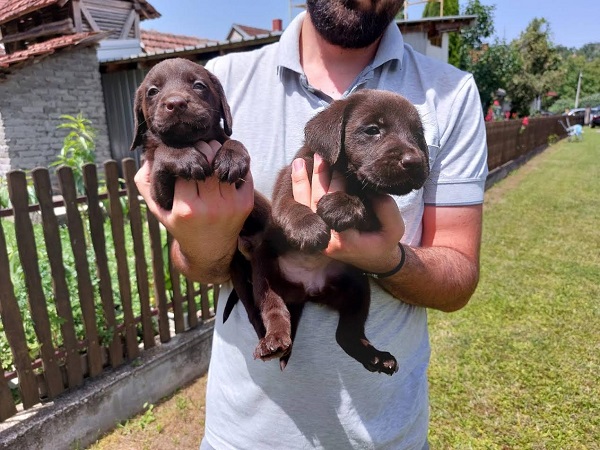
435, 277
213, 269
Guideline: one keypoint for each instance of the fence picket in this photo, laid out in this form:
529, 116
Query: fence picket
7, 404
111, 171
159, 277
141, 267
17, 191
15, 332
84, 281
43, 190
204, 303
96, 221
191, 303
176, 288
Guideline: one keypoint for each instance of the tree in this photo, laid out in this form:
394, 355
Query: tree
473, 38
540, 63
493, 67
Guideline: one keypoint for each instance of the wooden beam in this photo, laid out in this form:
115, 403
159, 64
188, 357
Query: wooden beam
61, 27
89, 18
128, 23
77, 16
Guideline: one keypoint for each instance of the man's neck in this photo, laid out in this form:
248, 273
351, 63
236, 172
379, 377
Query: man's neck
330, 68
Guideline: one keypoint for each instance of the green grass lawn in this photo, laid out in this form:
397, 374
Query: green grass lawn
519, 367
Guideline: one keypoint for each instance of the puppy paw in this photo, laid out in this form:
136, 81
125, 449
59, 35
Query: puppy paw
232, 162
310, 233
341, 211
191, 165
273, 345
382, 362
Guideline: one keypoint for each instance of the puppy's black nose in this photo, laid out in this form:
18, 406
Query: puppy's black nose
176, 104
411, 161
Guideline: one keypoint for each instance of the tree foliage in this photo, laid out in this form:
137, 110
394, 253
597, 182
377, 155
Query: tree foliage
541, 69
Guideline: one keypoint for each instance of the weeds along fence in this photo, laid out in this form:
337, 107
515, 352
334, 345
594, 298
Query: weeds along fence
86, 283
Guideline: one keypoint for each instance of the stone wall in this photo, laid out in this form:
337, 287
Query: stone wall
32, 99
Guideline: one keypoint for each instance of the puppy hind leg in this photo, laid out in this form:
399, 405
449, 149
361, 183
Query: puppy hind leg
295, 314
350, 333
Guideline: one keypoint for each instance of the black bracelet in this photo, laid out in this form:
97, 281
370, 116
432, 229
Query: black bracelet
395, 270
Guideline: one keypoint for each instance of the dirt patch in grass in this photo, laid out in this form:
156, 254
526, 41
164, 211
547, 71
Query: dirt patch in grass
176, 423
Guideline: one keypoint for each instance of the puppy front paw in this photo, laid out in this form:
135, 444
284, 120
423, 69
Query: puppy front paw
309, 233
341, 211
232, 162
190, 164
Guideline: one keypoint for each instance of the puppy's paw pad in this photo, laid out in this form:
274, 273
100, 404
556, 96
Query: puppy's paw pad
341, 211
382, 362
273, 345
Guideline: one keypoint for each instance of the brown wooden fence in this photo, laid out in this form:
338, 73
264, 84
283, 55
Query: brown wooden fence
85, 320
124, 295
507, 140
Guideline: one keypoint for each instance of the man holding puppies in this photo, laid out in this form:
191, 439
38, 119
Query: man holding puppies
323, 398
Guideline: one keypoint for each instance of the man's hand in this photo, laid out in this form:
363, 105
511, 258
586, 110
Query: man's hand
205, 221
371, 252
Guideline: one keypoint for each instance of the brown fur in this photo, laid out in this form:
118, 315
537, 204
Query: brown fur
179, 104
376, 139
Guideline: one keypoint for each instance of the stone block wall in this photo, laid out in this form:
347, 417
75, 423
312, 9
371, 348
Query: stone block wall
32, 99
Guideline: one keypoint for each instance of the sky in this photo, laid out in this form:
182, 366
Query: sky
573, 23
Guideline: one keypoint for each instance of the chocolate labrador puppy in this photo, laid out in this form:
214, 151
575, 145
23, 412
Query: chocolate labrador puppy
179, 104
374, 138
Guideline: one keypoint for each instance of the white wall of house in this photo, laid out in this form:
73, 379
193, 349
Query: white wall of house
420, 42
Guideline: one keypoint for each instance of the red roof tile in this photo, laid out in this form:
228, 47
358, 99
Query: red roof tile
49, 47
11, 9
155, 41
251, 31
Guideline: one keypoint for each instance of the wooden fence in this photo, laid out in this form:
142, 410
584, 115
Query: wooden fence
110, 332
507, 140
118, 319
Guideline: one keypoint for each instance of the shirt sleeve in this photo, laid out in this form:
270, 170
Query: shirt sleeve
459, 169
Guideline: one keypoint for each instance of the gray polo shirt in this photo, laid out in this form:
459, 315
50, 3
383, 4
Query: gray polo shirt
324, 398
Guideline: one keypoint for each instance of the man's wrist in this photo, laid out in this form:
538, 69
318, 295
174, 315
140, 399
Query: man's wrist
394, 270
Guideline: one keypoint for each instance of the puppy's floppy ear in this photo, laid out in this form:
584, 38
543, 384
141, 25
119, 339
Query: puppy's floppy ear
324, 133
138, 115
225, 111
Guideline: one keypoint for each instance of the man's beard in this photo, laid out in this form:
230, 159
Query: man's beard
349, 26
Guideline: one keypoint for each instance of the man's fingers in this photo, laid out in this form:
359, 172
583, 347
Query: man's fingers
300, 182
321, 179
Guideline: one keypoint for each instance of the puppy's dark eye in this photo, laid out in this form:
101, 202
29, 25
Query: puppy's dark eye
152, 91
199, 86
372, 130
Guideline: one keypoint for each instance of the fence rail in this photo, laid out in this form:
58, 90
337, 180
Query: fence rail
124, 295
59, 356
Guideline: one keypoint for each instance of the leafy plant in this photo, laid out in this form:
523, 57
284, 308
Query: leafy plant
78, 147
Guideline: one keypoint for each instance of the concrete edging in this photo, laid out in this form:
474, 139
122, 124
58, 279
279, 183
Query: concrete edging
79, 417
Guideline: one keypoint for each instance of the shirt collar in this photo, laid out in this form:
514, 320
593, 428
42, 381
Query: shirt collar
390, 48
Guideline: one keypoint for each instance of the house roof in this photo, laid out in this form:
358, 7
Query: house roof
155, 41
11, 9
49, 47
246, 31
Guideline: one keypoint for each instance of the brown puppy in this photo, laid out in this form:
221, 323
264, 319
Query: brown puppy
374, 138
179, 104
